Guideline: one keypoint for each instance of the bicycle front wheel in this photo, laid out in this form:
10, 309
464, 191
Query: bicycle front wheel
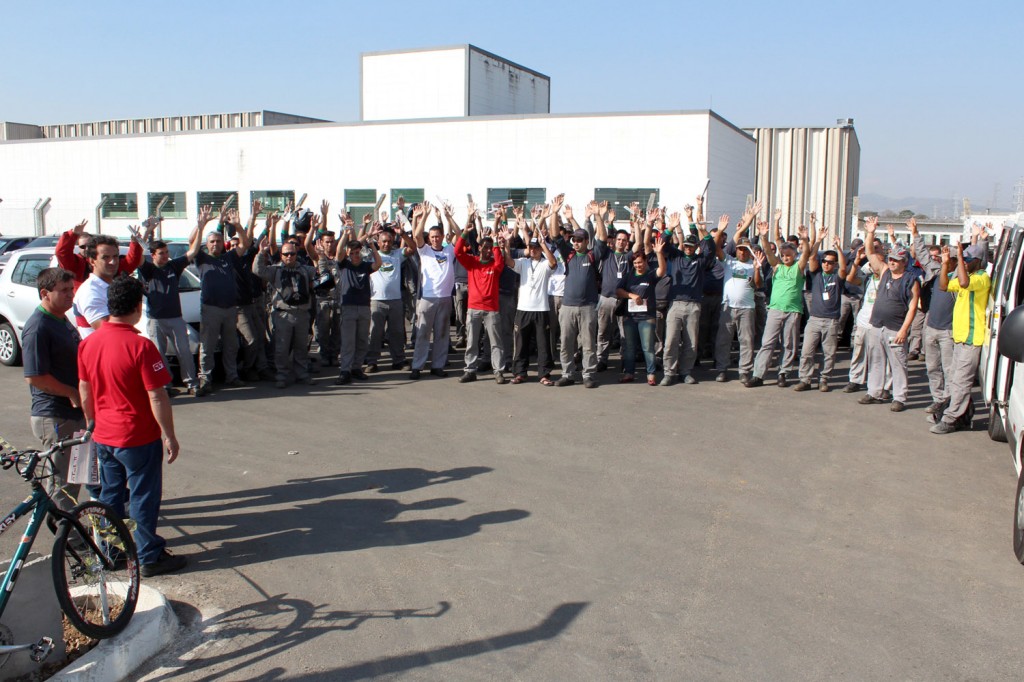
98, 597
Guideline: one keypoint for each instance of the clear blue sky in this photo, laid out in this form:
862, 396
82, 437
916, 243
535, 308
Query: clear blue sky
935, 88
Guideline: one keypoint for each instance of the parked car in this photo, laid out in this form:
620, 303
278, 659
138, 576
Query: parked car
44, 241
19, 298
13, 243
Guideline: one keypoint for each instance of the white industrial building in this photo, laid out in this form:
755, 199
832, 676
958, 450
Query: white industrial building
437, 124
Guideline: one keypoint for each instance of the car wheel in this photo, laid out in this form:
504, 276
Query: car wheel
996, 430
1018, 521
10, 351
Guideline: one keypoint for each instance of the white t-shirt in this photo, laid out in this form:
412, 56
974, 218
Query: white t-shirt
533, 284
556, 282
870, 292
437, 271
386, 283
738, 289
90, 303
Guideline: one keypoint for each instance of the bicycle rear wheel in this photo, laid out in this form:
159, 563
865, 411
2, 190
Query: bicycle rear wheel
98, 600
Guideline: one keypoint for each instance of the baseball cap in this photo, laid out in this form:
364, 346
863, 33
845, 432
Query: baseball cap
898, 252
691, 240
974, 252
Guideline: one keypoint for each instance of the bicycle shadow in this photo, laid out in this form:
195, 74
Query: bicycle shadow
279, 624
385, 481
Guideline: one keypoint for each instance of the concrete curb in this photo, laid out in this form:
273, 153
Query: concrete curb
151, 629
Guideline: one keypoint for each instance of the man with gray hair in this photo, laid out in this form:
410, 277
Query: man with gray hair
219, 298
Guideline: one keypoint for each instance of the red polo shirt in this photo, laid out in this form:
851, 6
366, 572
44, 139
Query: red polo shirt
121, 366
483, 279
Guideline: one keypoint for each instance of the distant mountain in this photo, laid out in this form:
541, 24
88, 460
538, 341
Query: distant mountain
933, 207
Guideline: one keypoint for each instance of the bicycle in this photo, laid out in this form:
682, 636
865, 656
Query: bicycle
94, 564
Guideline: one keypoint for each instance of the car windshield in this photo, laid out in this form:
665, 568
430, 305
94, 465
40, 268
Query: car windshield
47, 240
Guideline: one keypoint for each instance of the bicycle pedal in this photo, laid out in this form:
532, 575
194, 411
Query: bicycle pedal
41, 649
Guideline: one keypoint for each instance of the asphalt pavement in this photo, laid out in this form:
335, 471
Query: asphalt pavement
437, 531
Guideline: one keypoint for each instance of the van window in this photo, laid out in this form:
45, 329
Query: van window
1011, 265
997, 273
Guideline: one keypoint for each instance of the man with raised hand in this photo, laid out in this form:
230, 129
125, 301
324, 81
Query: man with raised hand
78, 263
614, 265
688, 265
386, 306
971, 286
354, 290
822, 329
90, 305
742, 279
50, 355
783, 324
937, 330
483, 306
891, 319
434, 309
121, 381
578, 317
218, 295
534, 272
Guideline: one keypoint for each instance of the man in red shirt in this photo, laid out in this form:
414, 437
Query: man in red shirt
484, 271
78, 265
121, 382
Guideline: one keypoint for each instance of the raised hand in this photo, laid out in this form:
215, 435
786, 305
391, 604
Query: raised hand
756, 208
592, 208
777, 215
205, 215
674, 221
603, 206
912, 225
611, 216
652, 215
945, 254
265, 246
871, 224
976, 230
556, 203
634, 208
324, 207
367, 218
567, 212
314, 223
659, 245
759, 256
802, 232
762, 228
892, 233
471, 208
822, 234
813, 219
417, 211
224, 206
723, 222
80, 227
319, 248
837, 242
257, 207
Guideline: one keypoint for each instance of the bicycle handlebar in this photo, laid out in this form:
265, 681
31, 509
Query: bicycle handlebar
33, 456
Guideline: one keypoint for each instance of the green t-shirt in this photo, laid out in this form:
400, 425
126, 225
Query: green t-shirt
788, 289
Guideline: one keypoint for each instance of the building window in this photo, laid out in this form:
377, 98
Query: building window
621, 197
359, 202
527, 197
120, 205
173, 208
214, 199
273, 200
412, 196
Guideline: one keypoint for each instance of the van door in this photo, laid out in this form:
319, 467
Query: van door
1006, 271
1013, 296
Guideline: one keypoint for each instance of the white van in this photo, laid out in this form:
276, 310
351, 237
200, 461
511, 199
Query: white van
1002, 382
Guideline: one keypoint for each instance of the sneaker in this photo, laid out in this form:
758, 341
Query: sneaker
744, 378
885, 395
802, 386
438, 373
359, 374
343, 379
499, 378
689, 380
236, 383
942, 428
372, 369
565, 381
669, 380
754, 382
936, 408
782, 382
589, 383
166, 563
851, 388
602, 366
467, 377
204, 389
414, 374
721, 378
823, 385
193, 392
897, 406
870, 400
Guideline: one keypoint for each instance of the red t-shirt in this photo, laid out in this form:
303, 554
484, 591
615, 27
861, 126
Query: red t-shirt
483, 279
121, 366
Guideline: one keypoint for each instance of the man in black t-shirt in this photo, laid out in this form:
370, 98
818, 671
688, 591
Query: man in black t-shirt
354, 292
827, 279
50, 355
163, 303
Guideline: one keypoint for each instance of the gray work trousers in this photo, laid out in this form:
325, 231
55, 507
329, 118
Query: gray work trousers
355, 336
49, 430
554, 331
252, 326
735, 322
760, 317
916, 336
823, 332
327, 326
489, 321
964, 368
849, 309
291, 340
461, 310
433, 320
682, 324
780, 329
608, 326
579, 327
386, 316
218, 324
174, 328
938, 361
883, 356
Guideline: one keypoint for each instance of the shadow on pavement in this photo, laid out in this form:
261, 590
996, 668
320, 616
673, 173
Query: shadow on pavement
268, 628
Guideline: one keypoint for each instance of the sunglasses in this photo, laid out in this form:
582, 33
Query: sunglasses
828, 262
577, 239
287, 253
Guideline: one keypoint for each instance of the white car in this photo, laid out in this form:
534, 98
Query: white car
19, 298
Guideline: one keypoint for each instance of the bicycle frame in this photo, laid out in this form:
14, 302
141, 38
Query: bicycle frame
39, 504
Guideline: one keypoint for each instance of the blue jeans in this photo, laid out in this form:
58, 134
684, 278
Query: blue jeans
141, 469
641, 331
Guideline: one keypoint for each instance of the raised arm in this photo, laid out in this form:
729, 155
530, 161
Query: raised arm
600, 231
762, 230
205, 215
419, 220
838, 245
853, 275
875, 259
811, 254
659, 248
776, 229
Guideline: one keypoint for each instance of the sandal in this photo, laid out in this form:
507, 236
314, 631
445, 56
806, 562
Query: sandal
517, 379
545, 381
